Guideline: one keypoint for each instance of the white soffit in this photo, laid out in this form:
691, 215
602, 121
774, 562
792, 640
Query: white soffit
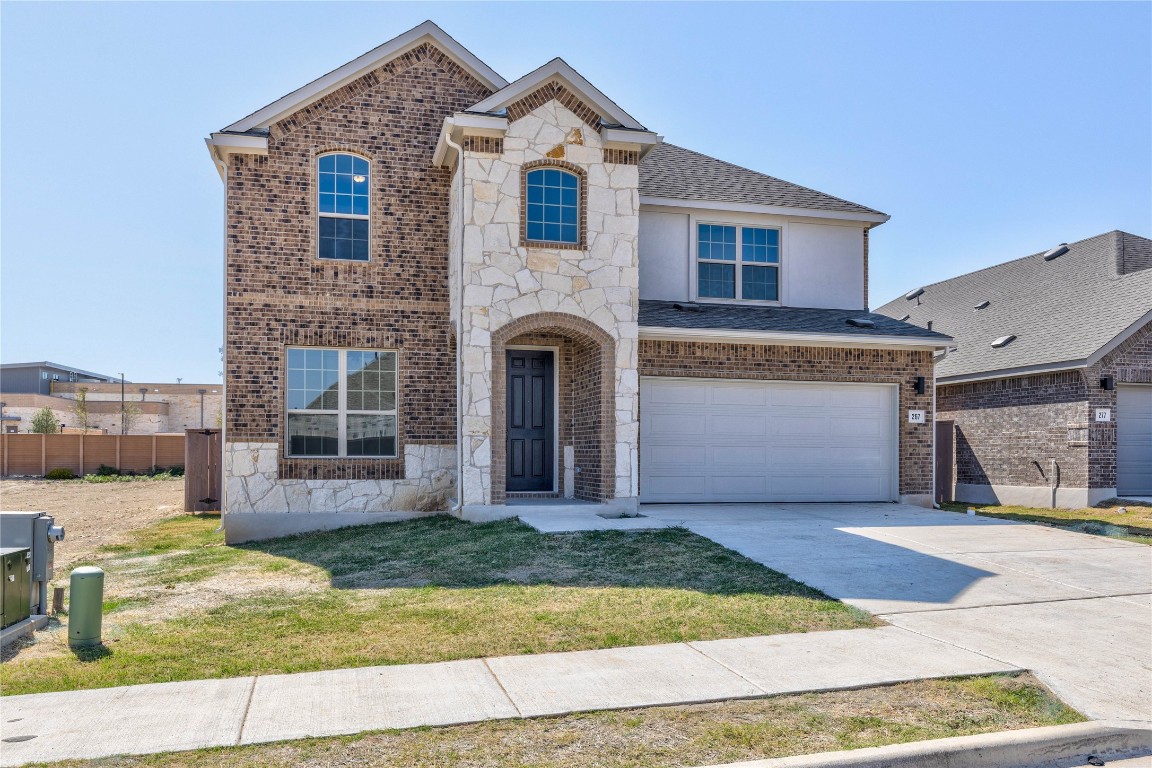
358, 67
723, 335
778, 210
558, 69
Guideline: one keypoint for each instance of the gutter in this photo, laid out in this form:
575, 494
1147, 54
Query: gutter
730, 335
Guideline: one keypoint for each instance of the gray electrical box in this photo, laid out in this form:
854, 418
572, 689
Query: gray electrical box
16, 572
37, 533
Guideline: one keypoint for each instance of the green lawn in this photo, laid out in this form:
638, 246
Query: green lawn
181, 605
1134, 524
667, 736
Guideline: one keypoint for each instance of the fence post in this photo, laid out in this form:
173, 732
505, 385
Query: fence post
153, 451
4, 442
43, 454
118, 451
82, 472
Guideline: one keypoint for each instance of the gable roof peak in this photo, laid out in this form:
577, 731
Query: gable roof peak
559, 70
426, 32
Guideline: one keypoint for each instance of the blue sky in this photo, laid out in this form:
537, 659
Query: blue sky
987, 130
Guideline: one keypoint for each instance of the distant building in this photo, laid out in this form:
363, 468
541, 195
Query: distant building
37, 378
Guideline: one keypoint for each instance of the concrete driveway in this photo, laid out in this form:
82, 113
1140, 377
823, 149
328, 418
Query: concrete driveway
1076, 609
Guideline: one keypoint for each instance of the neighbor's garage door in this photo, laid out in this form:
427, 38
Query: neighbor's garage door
735, 440
1134, 439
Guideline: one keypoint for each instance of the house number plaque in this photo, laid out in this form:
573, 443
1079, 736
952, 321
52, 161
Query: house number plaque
915, 417
1103, 414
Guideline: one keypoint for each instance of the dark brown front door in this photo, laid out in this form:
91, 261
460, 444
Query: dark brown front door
945, 460
531, 431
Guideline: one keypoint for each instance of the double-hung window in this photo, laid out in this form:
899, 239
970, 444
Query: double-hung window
737, 262
341, 402
343, 206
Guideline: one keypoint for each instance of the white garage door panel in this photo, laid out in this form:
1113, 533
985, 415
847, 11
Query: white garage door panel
723, 440
1134, 439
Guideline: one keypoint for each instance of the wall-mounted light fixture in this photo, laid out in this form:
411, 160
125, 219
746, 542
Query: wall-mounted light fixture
1108, 383
920, 386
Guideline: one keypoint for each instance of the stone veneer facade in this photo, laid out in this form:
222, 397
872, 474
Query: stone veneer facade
585, 295
1017, 436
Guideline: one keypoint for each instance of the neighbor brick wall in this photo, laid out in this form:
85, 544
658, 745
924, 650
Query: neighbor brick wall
280, 294
1130, 363
786, 363
1003, 426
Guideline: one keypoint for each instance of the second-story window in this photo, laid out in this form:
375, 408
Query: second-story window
553, 209
735, 261
343, 207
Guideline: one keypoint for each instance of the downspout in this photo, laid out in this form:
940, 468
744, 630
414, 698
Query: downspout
223, 166
459, 502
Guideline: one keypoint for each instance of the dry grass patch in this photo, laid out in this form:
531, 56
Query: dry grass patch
669, 736
1133, 524
181, 605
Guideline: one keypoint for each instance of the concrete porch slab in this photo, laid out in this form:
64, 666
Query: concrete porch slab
348, 701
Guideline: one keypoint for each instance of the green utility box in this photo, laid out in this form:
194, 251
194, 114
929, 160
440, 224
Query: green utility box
85, 607
16, 570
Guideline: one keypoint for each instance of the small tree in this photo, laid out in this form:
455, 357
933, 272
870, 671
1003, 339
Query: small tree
80, 410
131, 415
44, 422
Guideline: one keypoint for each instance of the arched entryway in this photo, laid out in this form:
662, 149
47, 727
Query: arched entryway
574, 364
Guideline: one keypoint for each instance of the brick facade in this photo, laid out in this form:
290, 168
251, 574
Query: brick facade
1010, 431
280, 294
787, 363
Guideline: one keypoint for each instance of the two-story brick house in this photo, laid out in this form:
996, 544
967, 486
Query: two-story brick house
428, 267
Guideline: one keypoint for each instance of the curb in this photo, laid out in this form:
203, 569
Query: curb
1057, 746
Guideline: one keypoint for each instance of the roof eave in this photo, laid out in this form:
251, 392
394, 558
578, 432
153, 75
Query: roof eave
728, 335
1010, 373
360, 66
1120, 338
874, 218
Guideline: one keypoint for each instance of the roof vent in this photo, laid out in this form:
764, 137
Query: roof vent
687, 307
905, 318
1003, 341
914, 294
1056, 252
861, 322
982, 305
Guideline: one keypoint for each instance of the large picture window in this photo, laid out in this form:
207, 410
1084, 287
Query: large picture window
341, 402
343, 207
553, 206
735, 261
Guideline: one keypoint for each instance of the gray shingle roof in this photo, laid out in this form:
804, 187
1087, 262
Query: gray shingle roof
681, 174
1061, 311
719, 317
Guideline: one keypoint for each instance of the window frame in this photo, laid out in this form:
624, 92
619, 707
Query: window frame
341, 412
581, 176
353, 216
739, 263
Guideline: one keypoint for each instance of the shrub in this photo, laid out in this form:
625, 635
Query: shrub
106, 471
44, 422
176, 470
60, 473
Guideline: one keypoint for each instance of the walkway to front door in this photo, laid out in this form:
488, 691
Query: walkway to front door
531, 444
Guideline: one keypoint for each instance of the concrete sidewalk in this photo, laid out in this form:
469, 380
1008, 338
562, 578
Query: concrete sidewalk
210, 713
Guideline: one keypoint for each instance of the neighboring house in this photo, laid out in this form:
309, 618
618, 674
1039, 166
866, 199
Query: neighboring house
38, 378
1050, 382
619, 320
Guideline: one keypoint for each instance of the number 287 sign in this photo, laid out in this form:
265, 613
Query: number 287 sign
915, 417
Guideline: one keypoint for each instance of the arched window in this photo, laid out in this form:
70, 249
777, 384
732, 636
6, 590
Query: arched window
553, 206
343, 207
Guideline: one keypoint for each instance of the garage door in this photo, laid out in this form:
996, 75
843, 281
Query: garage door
1134, 440
716, 440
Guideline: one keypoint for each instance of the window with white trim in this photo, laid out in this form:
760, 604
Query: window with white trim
736, 261
341, 402
342, 204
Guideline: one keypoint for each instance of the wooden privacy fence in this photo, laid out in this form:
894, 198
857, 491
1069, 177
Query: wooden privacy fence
202, 460
24, 454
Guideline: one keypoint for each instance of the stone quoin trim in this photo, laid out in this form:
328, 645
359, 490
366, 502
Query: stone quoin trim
582, 202
592, 426
548, 92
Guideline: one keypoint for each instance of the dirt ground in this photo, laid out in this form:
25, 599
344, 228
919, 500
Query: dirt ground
93, 514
